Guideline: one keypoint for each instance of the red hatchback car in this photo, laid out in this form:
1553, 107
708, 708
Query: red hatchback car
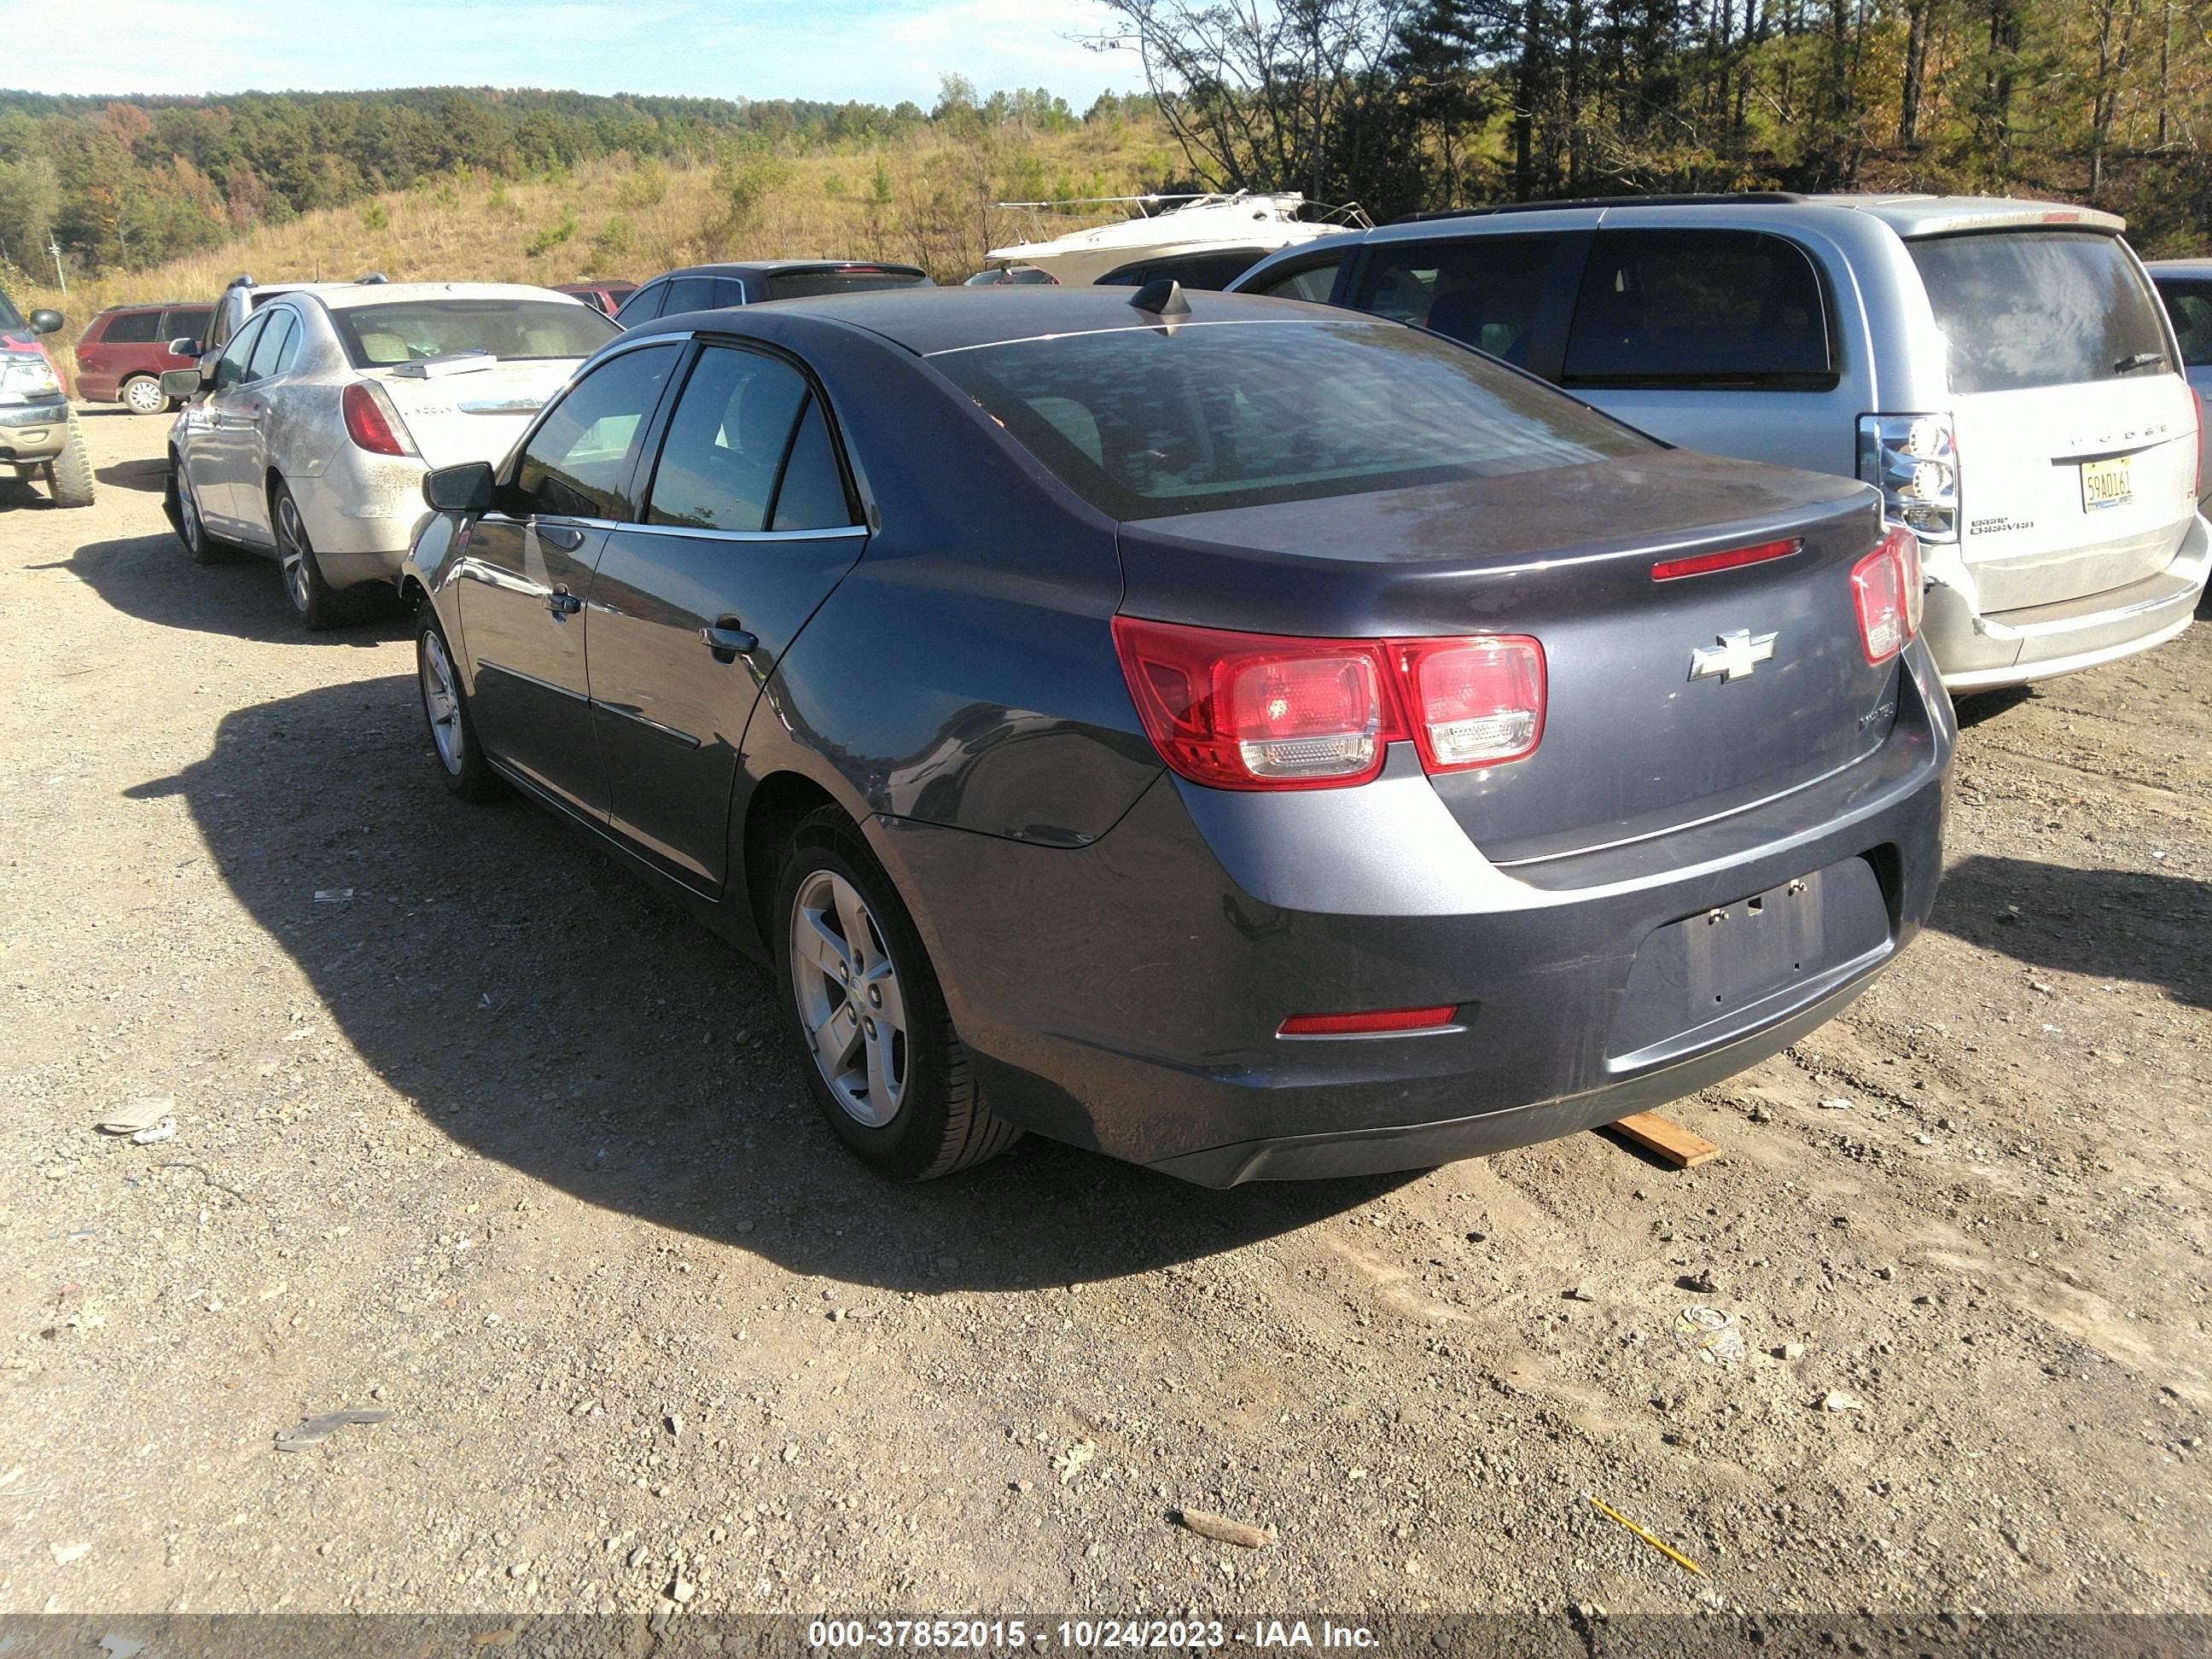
124, 351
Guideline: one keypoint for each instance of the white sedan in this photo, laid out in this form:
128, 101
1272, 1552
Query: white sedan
306, 439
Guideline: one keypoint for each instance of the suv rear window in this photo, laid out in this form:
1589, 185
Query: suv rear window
804, 284
1144, 422
2025, 308
1719, 309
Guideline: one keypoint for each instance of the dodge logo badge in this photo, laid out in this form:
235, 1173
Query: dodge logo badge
1731, 656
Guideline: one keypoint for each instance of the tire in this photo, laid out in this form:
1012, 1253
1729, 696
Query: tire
904, 1103
69, 473
315, 601
142, 394
461, 759
182, 505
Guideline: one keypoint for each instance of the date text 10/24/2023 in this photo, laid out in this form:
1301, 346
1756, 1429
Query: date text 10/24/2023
1083, 1635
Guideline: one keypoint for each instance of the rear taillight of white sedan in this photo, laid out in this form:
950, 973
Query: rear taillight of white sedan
1268, 711
371, 421
1886, 586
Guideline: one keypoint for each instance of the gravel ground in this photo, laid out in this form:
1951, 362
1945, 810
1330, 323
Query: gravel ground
472, 1130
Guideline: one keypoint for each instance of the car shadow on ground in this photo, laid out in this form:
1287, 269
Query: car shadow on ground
149, 476
1975, 707
2145, 925
154, 579
535, 1003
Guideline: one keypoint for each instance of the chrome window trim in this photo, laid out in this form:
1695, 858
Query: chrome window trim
748, 535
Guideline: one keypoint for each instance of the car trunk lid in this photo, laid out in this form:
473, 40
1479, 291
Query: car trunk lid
1637, 741
464, 409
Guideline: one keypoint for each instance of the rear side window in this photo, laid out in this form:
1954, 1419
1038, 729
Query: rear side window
726, 443
812, 493
805, 284
1485, 291
643, 306
1716, 308
131, 328
1315, 283
184, 325
2026, 308
2190, 305
577, 464
1143, 423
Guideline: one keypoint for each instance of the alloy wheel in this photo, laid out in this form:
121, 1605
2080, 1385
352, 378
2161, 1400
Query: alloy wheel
442, 703
145, 396
292, 553
849, 999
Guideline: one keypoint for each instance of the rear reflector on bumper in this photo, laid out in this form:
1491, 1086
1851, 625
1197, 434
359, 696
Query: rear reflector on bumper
1393, 1019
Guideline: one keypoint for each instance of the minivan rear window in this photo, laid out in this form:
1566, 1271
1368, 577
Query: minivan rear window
1144, 423
805, 284
2026, 308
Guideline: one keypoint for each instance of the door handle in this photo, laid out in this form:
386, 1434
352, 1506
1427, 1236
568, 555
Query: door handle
562, 603
726, 642
560, 536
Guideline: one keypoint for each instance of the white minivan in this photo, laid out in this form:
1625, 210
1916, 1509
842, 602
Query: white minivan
2001, 370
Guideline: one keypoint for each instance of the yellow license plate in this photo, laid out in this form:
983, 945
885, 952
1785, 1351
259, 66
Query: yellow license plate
2106, 484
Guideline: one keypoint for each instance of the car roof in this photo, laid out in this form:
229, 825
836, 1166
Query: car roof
158, 305
771, 267
931, 319
1908, 215
345, 295
2179, 267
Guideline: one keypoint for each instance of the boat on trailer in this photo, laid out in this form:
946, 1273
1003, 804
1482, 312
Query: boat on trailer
1176, 226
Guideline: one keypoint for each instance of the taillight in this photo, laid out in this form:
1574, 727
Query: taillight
372, 423
1913, 459
1886, 586
1263, 711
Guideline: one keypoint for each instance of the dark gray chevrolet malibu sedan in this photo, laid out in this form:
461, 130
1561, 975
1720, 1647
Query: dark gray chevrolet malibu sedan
1235, 736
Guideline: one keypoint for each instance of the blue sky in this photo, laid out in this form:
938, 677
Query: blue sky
879, 50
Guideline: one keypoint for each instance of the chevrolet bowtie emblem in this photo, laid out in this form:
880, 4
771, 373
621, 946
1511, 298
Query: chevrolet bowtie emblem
1731, 656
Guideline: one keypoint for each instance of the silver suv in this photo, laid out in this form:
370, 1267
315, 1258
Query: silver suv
2001, 370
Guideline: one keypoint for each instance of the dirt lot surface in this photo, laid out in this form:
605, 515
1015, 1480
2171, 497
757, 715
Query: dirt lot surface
471, 1129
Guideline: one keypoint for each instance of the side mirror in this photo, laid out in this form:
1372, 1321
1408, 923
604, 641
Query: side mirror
46, 322
464, 488
180, 385
185, 347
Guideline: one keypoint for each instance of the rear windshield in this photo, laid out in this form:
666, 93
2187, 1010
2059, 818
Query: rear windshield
1144, 423
409, 331
805, 284
2023, 308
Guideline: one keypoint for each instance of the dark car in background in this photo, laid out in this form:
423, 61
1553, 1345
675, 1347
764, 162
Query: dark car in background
1209, 270
605, 297
124, 351
1239, 737
712, 288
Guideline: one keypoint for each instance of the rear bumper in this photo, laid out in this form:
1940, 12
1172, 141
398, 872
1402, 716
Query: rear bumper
1980, 651
1126, 996
362, 513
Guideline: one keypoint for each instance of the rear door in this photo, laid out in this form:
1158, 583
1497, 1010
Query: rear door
2189, 308
527, 574
2074, 426
253, 415
125, 344
748, 523
1713, 339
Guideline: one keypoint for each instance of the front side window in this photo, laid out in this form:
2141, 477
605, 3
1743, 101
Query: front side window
131, 328
641, 306
2190, 305
1724, 309
1143, 421
2024, 309
726, 444
275, 335
184, 325
230, 367
418, 330
1485, 291
577, 464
